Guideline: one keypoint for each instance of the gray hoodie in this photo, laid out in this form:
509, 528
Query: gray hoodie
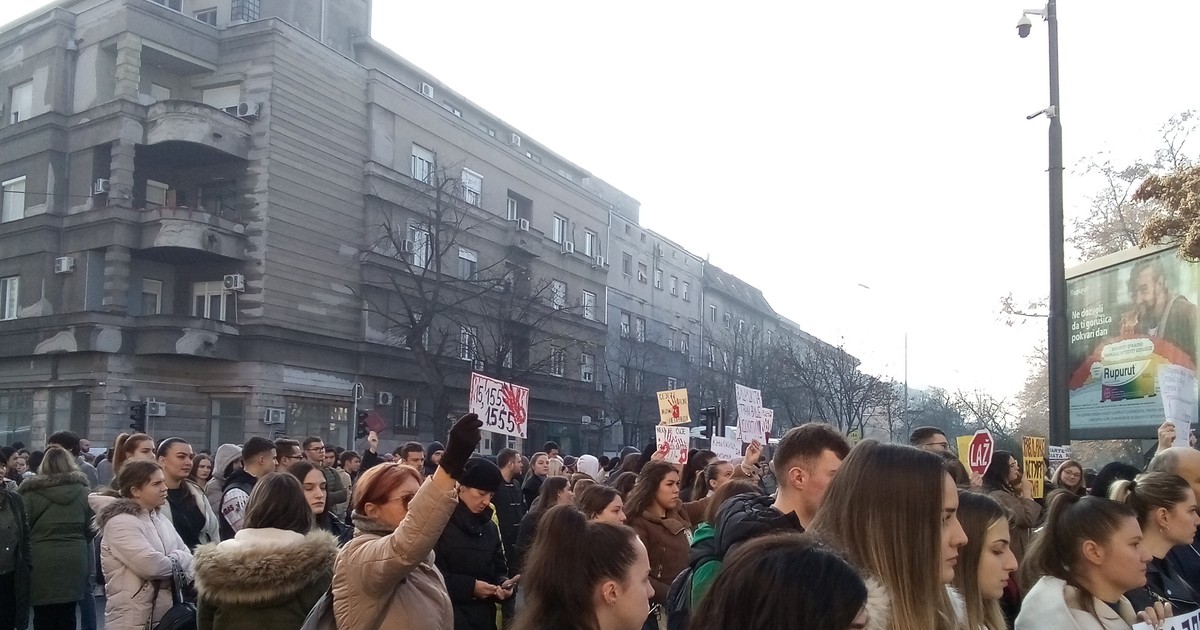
226, 454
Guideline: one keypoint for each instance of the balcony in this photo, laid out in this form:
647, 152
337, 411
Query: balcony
177, 121
95, 331
184, 335
175, 234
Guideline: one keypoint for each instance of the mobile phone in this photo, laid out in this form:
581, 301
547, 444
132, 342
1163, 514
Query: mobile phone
510, 582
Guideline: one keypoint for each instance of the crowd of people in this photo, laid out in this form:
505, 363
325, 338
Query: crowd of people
291, 534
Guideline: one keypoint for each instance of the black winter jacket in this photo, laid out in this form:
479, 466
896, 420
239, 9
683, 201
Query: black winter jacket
23, 577
510, 509
741, 518
1163, 581
468, 550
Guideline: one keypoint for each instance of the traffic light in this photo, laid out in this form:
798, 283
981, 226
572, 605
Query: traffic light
137, 413
362, 430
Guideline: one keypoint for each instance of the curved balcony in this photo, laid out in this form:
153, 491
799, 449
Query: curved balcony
183, 335
188, 231
196, 123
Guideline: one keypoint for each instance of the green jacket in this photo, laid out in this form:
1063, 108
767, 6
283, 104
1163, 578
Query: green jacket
704, 574
336, 493
59, 530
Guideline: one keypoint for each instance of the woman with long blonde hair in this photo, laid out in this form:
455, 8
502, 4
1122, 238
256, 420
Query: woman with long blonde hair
892, 510
986, 562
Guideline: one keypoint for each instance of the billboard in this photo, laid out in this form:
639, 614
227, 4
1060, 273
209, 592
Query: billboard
1132, 344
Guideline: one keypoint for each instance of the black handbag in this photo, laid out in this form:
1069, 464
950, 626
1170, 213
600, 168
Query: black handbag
182, 614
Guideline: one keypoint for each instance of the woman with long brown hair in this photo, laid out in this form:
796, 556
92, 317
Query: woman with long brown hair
138, 446
1069, 476
1166, 508
986, 562
1004, 481
893, 511
554, 491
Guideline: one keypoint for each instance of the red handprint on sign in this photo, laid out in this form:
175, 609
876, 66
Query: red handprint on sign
512, 398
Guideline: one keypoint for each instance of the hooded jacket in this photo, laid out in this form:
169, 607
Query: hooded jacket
59, 519
388, 574
211, 531
740, 519
879, 606
1052, 603
10, 500
136, 553
469, 550
226, 454
262, 579
430, 465
667, 542
590, 465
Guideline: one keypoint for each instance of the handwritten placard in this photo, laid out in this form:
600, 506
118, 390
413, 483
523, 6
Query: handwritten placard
1189, 621
750, 419
673, 407
1033, 455
503, 407
726, 448
672, 443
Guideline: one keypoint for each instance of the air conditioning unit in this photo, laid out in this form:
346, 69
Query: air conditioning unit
274, 415
597, 262
383, 399
586, 420
568, 247
235, 282
101, 187
248, 110
514, 140
426, 90
64, 264
156, 409
523, 225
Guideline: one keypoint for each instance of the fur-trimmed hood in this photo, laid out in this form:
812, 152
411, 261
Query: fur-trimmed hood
47, 485
879, 605
263, 566
107, 507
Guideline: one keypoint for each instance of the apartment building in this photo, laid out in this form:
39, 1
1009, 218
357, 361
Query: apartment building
257, 218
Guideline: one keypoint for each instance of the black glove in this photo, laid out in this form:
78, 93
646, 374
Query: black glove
460, 444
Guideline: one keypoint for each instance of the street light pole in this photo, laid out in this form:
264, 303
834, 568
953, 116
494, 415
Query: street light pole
1060, 412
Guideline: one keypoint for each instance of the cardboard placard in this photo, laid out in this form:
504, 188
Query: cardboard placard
673, 407
672, 443
1033, 456
503, 407
726, 448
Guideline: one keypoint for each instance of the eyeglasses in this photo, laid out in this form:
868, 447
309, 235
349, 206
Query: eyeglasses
404, 498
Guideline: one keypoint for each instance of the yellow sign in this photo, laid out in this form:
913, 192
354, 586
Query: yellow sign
673, 407
1033, 452
964, 450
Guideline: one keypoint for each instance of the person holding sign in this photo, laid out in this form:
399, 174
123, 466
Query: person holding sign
1166, 509
1087, 556
1004, 482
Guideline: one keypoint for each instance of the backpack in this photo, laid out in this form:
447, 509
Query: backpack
679, 601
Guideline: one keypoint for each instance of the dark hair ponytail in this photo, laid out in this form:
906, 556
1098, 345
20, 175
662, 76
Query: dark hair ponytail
564, 599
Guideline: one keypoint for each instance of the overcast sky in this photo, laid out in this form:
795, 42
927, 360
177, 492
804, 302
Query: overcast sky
813, 149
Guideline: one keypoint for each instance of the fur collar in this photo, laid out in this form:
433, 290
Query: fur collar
267, 571
40, 482
879, 605
368, 525
115, 507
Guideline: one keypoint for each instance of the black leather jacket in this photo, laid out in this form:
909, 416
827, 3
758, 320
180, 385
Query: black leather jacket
1164, 583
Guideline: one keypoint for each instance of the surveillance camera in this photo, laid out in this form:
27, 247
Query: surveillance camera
1024, 25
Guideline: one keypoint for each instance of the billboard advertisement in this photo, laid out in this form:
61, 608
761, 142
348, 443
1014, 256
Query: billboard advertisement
1132, 345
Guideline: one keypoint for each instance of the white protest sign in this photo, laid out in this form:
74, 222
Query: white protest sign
1189, 621
672, 443
768, 418
726, 448
1057, 455
503, 407
750, 420
1177, 385
673, 407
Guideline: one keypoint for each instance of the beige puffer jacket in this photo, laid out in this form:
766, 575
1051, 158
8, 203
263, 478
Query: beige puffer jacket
136, 553
389, 575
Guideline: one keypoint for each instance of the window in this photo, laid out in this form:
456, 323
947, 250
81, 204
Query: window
226, 422
328, 421
623, 378
68, 411
712, 313
768, 336
159, 92
641, 329
638, 377
468, 264
210, 300
151, 296
412, 323
9, 289
468, 343
208, 16
587, 368
737, 365
21, 103
16, 417
560, 228
448, 106
12, 200
589, 305
245, 10
174, 5
225, 98
558, 294
558, 361
627, 264
712, 355
686, 286
420, 245
642, 272
685, 343
658, 275
672, 383
513, 214
741, 326
472, 186
671, 340
727, 320
406, 414
674, 286
624, 324
422, 164
725, 360
591, 244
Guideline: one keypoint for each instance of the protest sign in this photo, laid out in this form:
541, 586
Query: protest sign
979, 452
1177, 385
768, 418
1033, 454
672, 443
750, 420
1056, 456
963, 442
1188, 621
673, 407
503, 407
726, 448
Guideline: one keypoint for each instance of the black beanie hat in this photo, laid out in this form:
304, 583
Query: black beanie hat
481, 474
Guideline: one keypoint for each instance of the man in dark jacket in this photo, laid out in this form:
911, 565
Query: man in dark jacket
433, 455
258, 460
509, 503
470, 554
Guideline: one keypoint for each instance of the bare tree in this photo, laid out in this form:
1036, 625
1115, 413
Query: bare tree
937, 408
630, 400
1032, 405
839, 393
